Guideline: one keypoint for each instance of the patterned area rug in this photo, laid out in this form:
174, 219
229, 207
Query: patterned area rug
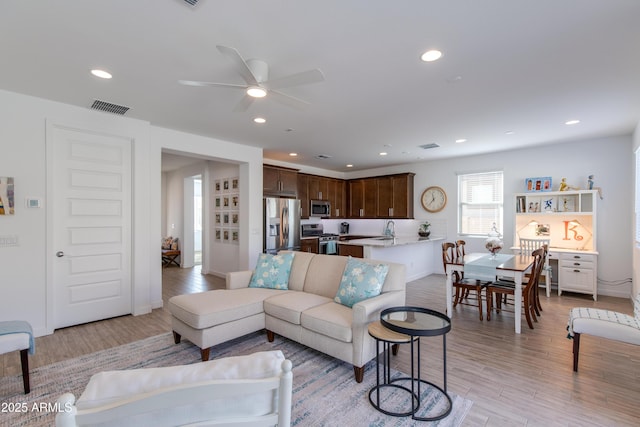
324, 390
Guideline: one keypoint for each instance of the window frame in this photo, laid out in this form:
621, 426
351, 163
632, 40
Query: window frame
496, 180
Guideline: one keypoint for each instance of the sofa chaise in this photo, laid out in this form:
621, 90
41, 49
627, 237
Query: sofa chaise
305, 309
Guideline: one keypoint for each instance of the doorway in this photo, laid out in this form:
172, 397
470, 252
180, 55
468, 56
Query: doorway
197, 220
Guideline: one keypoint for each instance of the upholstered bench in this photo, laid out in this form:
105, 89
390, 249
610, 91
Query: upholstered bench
213, 317
605, 324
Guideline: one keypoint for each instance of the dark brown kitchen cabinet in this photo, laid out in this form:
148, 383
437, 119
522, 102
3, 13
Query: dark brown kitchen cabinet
310, 245
314, 187
277, 181
395, 196
303, 195
338, 197
354, 251
388, 196
362, 198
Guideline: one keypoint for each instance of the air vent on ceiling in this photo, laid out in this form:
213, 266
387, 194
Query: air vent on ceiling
109, 107
191, 2
323, 156
428, 146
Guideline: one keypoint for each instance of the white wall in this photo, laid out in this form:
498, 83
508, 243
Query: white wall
23, 281
609, 159
634, 246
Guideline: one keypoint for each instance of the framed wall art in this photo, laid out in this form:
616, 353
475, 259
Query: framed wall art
534, 185
7, 196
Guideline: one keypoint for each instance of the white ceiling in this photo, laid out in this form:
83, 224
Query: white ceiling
521, 66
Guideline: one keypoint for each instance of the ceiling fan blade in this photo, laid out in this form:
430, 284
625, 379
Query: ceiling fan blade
195, 83
302, 78
288, 100
244, 104
240, 63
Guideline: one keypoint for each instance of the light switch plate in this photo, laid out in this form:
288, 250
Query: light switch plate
33, 203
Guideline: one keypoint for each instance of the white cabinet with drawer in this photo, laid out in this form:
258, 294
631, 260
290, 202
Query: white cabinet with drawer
578, 273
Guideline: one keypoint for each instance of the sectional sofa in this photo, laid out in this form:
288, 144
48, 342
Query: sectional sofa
306, 309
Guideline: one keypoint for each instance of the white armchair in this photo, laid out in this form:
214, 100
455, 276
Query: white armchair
253, 390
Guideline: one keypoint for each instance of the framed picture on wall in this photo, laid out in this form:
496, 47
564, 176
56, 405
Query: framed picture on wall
226, 236
235, 184
218, 234
218, 185
218, 218
226, 186
235, 237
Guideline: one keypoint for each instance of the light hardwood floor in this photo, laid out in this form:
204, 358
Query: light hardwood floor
513, 380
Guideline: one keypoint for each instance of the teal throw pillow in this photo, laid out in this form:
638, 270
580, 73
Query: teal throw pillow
272, 271
360, 281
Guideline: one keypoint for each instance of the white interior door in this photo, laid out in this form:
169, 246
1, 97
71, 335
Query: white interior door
91, 212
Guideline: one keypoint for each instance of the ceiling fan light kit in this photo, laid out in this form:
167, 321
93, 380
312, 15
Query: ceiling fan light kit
256, 92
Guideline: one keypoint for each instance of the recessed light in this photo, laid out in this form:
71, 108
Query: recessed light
572, 122
293, 154
260, 120
509, 132
101, 73
431, 55
460, 141
349, 165
383, 153
256, 92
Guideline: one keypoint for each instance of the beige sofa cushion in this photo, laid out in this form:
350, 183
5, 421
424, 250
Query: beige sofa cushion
299, 268
211, 308
289, 306
331, 319
324, 275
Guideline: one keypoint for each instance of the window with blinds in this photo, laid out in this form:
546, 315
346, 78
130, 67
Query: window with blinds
480, 203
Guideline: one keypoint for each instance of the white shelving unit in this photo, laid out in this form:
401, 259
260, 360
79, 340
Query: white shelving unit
568, 219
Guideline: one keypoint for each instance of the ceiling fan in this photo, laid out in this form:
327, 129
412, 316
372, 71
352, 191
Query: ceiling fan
256, 75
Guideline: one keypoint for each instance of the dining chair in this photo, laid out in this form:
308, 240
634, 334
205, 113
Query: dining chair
461, 285
503, 287
527, 246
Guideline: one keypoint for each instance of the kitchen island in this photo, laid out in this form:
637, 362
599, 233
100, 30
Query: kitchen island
421, 256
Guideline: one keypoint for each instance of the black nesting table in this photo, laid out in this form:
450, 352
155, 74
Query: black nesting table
399, 325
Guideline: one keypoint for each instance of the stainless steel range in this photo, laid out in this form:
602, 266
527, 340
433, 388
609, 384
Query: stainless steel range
324, 239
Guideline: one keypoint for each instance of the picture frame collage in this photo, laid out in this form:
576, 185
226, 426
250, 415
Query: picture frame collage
227, 210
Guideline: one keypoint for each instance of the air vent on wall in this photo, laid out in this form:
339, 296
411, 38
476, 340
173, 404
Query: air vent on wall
428, 146
191, 2
109, 107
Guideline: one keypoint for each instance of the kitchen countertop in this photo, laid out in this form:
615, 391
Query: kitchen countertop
384, 242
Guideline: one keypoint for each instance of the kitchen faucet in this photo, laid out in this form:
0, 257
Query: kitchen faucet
390, 229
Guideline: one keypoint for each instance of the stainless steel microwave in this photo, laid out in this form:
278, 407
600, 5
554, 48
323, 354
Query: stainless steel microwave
321, 208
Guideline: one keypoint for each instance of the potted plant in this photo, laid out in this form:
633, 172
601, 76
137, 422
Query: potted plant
424, 231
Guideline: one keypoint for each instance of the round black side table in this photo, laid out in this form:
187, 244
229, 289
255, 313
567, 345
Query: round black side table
419, 322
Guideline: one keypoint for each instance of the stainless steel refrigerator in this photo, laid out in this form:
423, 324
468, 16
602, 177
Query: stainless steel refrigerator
281, 224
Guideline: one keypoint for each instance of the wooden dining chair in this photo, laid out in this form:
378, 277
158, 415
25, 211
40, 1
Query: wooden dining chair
499, 288
461, 285
527, 246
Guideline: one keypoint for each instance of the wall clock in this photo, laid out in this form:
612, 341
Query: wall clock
433, 199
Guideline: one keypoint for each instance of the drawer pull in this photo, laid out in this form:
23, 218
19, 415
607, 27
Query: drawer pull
576, 263
576, 271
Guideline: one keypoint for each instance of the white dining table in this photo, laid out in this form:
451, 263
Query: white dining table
514, 267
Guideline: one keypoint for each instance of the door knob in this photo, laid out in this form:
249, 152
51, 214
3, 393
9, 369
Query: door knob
59, 254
